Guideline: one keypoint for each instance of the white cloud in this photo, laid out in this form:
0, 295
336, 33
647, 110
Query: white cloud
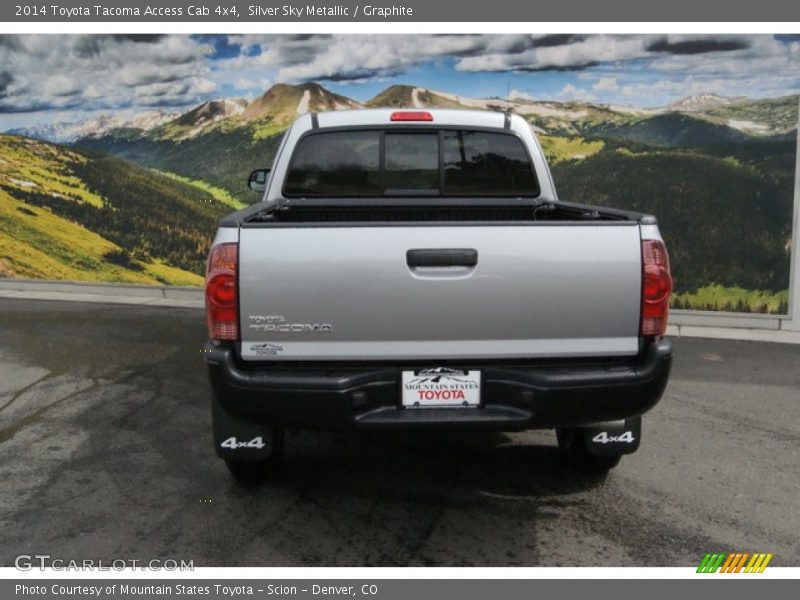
520, 95
572, 55
244, 83
606, 84
621, 57
91, 72
667, 90
356, 57
570, 92
61, 85
99, 72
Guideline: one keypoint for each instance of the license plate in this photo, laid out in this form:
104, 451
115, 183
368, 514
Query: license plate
441, 387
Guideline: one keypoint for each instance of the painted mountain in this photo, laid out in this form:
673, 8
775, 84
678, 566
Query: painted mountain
66, 133
220, 142
70, 214
717, 171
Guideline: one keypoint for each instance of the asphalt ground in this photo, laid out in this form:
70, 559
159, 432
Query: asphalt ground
105, 453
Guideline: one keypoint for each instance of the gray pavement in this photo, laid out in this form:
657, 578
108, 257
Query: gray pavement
105, 452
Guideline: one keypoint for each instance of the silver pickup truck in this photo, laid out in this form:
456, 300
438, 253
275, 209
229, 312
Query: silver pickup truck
412, 269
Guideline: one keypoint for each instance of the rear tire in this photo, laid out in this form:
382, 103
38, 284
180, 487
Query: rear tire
260, 470
574, 450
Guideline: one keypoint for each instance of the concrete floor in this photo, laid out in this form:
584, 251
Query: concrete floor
105, 452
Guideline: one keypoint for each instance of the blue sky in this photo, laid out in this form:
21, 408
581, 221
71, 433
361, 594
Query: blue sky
46, 79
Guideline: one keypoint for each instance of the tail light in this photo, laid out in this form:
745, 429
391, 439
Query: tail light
656, 288
411, 115
222, 303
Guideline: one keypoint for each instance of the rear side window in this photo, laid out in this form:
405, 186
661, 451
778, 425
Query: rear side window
341, 163
376, 163
476, 161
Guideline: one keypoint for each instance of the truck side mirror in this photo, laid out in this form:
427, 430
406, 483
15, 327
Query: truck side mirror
258, 180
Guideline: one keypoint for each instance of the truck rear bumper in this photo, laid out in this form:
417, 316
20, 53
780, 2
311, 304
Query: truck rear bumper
514, 396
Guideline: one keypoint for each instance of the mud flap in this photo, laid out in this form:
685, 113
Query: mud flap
242, 440
613, 439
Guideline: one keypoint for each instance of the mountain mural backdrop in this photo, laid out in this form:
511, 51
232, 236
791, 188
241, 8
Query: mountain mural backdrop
135, 198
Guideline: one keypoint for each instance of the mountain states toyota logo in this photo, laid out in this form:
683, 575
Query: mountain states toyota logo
266, 349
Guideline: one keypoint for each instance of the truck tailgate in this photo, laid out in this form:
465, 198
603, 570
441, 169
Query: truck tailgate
357, 293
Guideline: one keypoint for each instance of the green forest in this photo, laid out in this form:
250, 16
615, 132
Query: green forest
221, 158
726, 219
73, 214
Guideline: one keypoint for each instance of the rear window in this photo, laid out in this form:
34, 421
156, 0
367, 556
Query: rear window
377, 163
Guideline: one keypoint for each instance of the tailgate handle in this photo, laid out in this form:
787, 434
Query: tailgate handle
442, 257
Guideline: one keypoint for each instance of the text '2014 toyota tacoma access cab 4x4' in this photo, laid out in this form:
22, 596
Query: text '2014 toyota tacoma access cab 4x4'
415, 269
